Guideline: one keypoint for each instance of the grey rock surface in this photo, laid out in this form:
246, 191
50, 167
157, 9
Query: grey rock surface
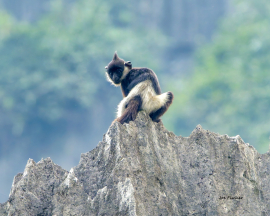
140, 168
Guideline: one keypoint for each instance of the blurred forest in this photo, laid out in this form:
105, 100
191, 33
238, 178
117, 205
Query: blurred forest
55, 100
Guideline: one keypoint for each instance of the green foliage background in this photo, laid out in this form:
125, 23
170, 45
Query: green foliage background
229, 91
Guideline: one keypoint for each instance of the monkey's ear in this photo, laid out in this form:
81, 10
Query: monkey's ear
106, 67
128, 64
115, 56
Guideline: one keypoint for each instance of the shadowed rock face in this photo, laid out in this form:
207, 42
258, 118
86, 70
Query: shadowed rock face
142, 169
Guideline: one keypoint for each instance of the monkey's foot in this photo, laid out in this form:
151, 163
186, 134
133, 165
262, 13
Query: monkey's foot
170, 98
125, 118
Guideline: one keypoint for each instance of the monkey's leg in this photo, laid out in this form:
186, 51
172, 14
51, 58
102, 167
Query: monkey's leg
158, 113
131, 110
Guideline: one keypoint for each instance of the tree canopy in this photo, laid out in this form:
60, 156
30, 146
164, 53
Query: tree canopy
229, 91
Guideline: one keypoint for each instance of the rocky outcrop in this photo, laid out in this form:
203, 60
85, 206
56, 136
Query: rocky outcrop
140, 168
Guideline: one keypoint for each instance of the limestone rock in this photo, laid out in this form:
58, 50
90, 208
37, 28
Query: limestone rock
142, 169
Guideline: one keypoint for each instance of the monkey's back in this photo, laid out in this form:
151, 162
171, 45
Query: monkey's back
138, 75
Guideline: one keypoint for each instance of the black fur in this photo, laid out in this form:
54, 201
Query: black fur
137, 75
115, 69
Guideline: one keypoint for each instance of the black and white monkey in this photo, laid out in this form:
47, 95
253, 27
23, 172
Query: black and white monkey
140, 89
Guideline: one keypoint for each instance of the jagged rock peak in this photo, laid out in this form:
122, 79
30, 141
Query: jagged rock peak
140, 168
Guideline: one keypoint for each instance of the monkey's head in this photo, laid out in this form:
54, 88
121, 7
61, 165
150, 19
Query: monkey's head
117, 70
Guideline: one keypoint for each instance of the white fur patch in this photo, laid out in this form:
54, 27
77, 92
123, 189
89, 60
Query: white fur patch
125, 72
150, 100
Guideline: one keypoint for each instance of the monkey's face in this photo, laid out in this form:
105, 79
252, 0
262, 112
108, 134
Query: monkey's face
117, 69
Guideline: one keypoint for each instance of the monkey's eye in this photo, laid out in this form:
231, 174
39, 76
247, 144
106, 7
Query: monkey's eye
129, 62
